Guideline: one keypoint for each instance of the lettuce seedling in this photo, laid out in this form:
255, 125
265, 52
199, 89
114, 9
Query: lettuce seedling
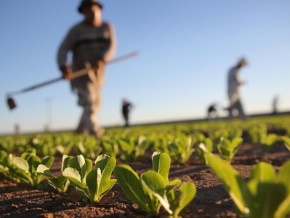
268, 140
4, 167
59, 183
25, 167
265, 194
42, 144
132, 150
179, 149
4, 170
92, 183
130, 183
109, 146
207, 142
153, 188
257, 132
88, 147
172, 201
228, 148
260, 135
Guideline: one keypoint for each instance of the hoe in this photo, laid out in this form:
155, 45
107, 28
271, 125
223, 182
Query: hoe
11, 103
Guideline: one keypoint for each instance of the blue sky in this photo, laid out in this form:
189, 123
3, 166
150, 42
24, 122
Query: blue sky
185, 50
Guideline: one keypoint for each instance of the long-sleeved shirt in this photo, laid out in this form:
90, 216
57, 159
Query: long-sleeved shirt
234, 82
87, 44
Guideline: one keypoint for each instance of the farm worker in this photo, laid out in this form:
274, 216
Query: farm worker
212, 111
90, 41
234, 84
274, 104
126, 107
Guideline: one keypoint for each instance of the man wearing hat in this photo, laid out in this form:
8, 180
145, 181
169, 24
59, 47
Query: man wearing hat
91, 41
234, 84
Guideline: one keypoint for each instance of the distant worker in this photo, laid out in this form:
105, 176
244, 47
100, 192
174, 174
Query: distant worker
90, 41
16, 129
275, 103
126, 108
212, 111
234, 84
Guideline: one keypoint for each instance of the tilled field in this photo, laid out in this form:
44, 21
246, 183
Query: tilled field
211, 199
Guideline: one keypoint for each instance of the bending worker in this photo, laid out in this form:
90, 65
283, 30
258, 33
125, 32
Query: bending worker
126, 108
90, 41
234, 84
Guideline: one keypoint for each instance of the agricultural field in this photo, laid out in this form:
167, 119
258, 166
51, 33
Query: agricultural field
211, 169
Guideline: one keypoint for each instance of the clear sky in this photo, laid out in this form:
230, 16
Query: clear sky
185, 50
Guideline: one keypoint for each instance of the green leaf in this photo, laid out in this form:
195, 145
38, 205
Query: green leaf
20, 168
161, 164
172, 184
98, 180
28, 153
263, 172
284, 178
47, 161
65, 161
86, 167
231, 180
20, 164
33, 162
154, 181
284, 174
73, 162
80, 164
208, 144
157, 186
98, 185
74, 176
3, 157
187, 192
60, 183
44, 170
269, 140
286, 141
266, 199
228, 148
284, 208
131, 185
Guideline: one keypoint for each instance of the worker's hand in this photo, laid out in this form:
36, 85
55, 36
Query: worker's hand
100, 64
244, 83
66, 72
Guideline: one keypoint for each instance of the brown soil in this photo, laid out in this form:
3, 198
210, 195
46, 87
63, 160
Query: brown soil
211, 199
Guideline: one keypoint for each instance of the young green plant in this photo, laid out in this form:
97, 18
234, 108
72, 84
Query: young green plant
265, 194
132, 149
153, 189
93, 183
25, 167
59, 183
286, 141
228, 147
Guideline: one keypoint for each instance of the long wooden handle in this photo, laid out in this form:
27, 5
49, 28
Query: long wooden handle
75, 75
85, 71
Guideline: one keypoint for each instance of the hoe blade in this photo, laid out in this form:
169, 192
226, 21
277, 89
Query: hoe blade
11, 103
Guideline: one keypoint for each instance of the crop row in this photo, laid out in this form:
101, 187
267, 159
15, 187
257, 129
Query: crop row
179, 141
264, 194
